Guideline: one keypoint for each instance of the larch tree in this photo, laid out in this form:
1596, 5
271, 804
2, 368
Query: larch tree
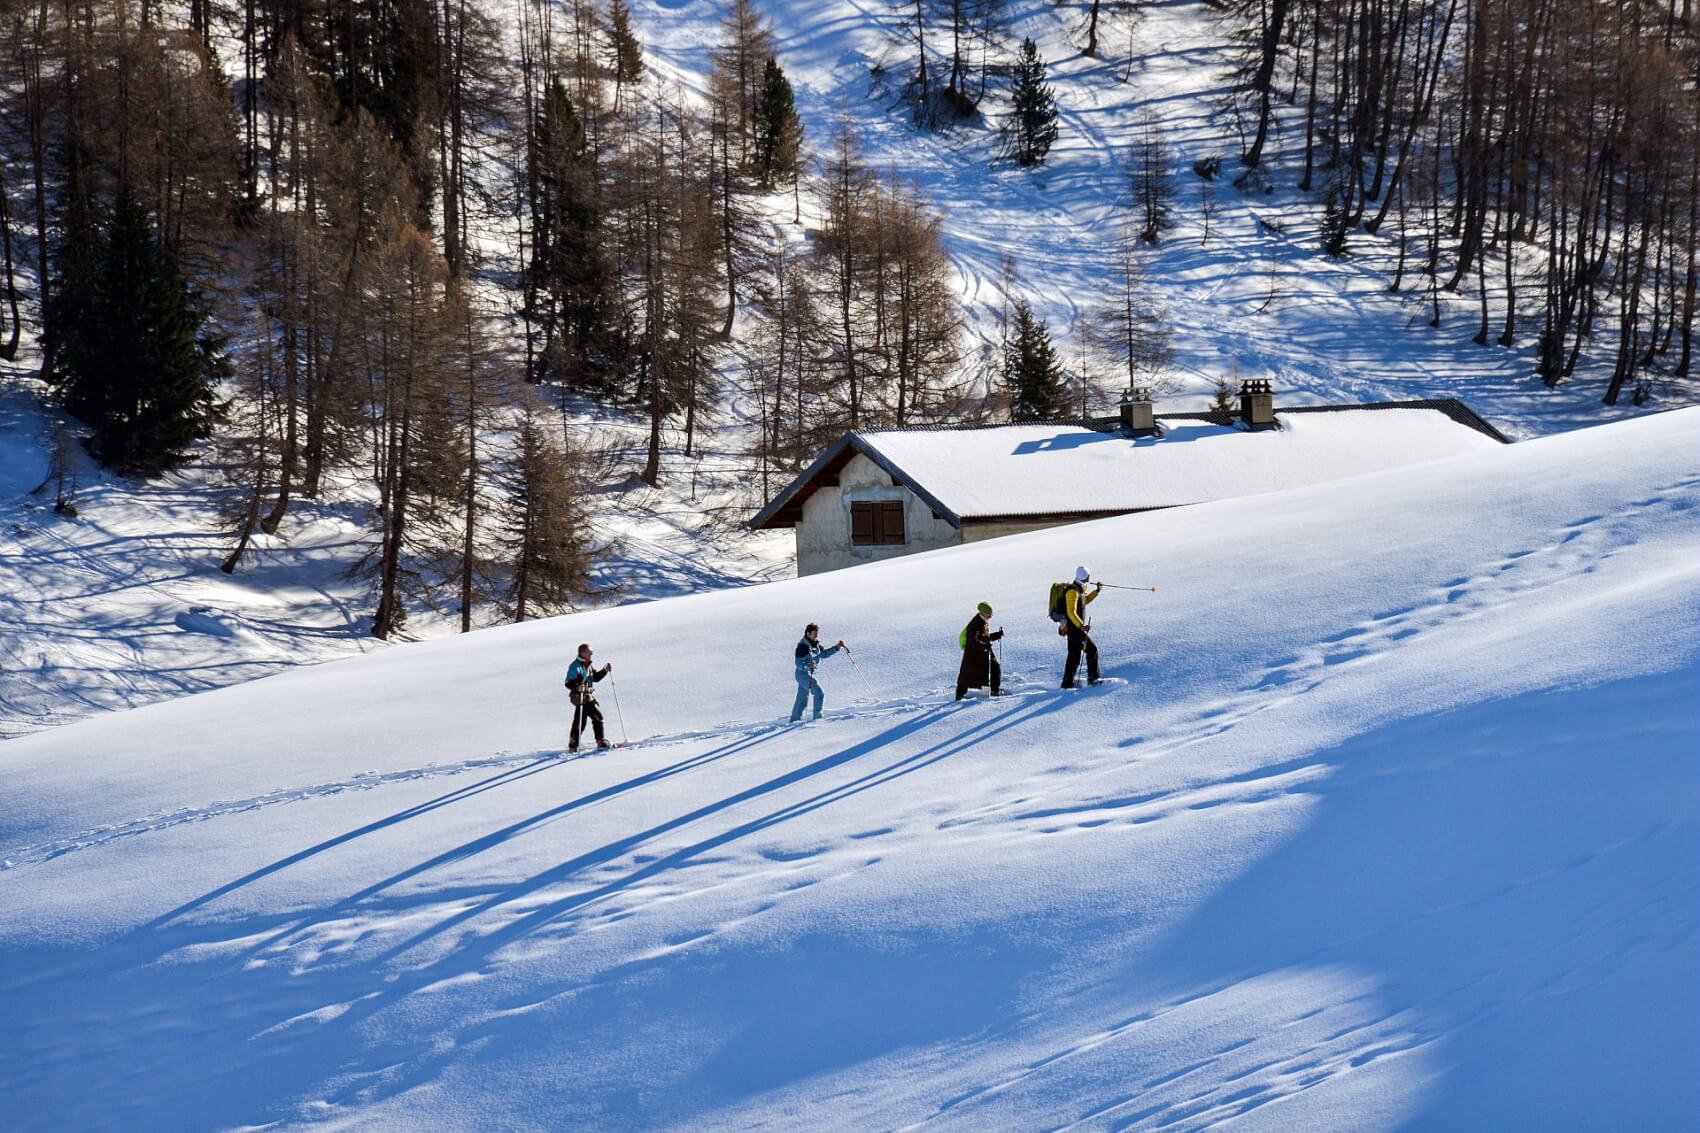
625, 53
1152, 181
1133, 325
546, 543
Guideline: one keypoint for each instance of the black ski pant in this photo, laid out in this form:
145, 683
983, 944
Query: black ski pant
587, 711
994, 678
1079, 641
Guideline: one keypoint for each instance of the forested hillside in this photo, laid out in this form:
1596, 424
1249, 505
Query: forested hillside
517, 298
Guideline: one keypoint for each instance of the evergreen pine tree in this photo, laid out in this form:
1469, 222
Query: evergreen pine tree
544, 530
1032, 371
133, 362
1225, 400
569, 272
626, 51
778, 130
1335, 223
1032, 126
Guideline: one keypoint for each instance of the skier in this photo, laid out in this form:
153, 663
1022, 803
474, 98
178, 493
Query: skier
979, 666
581, 680
809, 655
1079, 630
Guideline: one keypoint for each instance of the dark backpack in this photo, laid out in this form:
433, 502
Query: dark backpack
1059, 602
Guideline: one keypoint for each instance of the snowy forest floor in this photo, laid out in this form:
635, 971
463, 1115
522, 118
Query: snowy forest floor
124, 604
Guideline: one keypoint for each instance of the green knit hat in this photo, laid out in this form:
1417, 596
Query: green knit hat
985, 609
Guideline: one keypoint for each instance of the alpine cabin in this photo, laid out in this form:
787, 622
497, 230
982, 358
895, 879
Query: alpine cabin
876, 495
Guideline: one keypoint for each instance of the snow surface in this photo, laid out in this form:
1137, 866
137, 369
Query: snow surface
1034, 469
1391, 826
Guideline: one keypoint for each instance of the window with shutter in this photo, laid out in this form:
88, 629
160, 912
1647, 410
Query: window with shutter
891, 522
864, 527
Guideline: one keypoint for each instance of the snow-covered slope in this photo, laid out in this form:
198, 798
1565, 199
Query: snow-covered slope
1254, 296
1388, 821
124, 604
113, 610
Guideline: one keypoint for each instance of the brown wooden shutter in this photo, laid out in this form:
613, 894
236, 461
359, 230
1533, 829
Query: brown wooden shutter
891, 521
863, 529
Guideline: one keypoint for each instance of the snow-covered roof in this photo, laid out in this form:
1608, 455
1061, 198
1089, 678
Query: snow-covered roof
1094, 468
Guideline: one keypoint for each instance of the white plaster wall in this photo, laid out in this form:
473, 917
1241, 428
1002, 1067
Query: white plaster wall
823, 536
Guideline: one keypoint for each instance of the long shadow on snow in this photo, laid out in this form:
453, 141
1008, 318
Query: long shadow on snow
622, 846
68, 1058
90, 1032
945, 989
459, 794
467, 849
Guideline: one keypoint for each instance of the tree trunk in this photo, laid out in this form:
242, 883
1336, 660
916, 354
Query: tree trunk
1263, 80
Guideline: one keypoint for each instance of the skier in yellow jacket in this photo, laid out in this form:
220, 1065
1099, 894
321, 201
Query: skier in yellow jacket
1079, 630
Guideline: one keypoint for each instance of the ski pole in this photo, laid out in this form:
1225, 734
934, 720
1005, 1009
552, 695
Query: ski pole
1113, 586
618, 715
854, 665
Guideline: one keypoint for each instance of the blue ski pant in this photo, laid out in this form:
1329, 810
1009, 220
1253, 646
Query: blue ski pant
806, 684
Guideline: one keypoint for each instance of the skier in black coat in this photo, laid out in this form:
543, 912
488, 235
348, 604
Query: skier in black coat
979, 667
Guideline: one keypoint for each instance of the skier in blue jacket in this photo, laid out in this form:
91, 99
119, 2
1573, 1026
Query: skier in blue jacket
581, 683
809, 656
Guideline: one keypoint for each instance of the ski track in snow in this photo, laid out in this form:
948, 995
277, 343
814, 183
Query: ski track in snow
1575, 550
507, 764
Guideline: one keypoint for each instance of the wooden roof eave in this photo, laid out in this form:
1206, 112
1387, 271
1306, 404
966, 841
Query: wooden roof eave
786, 509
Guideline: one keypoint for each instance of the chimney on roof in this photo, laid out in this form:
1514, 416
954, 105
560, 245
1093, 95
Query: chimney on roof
1138, 418
1257, 403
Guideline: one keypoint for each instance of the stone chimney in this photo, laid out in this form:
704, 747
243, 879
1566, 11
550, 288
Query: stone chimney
1138, 418
1257, 404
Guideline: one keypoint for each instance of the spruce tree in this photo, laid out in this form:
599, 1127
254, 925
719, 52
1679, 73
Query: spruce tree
570, 276
1336, 223
1032, 371
545, 534
1225, 399
626, 53
778, 130
133, 361
1032, 126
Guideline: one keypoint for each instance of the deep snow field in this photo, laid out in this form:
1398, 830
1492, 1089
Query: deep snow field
1387, 820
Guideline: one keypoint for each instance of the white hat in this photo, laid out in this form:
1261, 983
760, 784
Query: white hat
1081, 574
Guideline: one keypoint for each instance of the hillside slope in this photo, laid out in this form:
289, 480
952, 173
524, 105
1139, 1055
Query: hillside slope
1249, 293
124, 605
1390, 826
